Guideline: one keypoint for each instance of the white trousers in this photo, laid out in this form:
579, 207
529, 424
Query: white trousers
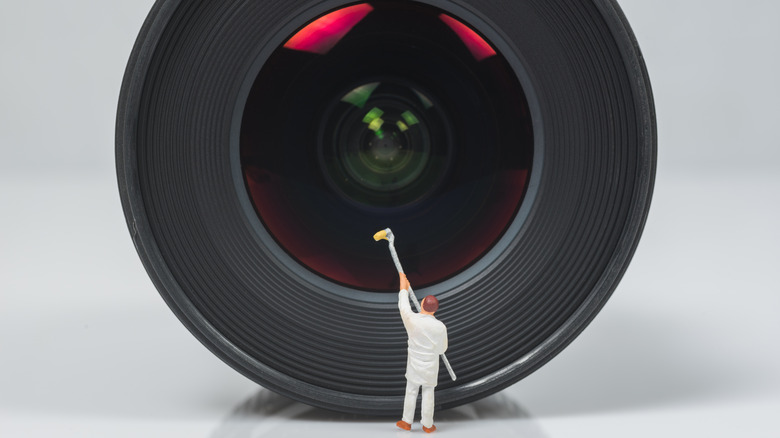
410, 403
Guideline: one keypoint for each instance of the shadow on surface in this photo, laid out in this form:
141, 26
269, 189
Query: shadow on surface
270, 414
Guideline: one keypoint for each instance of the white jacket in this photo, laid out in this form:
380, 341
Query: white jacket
427, 340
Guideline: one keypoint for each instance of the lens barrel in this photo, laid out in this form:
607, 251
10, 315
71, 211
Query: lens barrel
510, 145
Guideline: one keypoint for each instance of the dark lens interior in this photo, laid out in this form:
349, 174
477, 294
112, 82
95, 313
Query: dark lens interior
386, 114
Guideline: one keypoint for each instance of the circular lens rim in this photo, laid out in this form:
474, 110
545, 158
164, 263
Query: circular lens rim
452, 285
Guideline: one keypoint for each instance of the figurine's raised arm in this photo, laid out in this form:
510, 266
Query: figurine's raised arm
404, 281
403, 300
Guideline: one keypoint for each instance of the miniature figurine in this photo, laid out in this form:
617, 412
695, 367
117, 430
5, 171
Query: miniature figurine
387, 234
427, 340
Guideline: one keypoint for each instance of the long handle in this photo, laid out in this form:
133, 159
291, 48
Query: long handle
417, 304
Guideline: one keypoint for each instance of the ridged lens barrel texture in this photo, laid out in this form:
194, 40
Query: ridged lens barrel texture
194, 226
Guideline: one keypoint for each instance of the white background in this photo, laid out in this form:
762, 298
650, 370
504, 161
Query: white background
689, 345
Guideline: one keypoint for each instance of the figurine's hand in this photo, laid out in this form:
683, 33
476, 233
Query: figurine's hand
404, 281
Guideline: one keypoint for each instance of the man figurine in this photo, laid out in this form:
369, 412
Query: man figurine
427, 340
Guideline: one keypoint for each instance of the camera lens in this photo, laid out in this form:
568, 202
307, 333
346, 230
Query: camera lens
356, 123
509, 144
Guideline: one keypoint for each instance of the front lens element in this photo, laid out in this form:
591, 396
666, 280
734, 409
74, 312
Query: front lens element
386, 114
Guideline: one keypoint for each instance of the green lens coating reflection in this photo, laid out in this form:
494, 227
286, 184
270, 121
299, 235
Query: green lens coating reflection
372, 115
380, 143
360, 95
410, 118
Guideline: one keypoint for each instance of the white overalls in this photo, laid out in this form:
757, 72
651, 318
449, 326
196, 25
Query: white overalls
427, 340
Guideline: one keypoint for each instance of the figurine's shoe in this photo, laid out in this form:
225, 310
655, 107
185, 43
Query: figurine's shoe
404, 425
429, 429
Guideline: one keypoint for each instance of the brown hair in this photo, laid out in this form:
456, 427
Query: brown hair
430, 304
